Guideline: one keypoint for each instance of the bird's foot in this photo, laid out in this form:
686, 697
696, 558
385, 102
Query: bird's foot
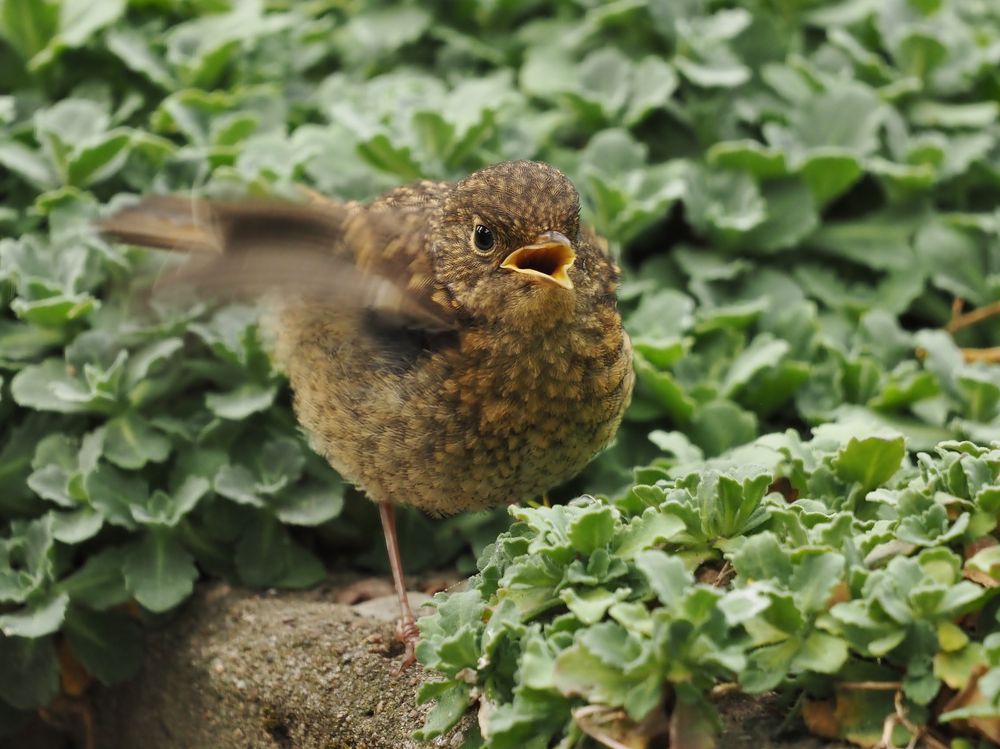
408, 634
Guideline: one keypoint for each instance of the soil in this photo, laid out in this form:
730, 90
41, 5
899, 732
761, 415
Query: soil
269, 671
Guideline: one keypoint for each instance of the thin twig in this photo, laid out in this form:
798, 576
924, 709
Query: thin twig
956, 307
724, 690
726, 573
871, 686
933, 742
986, 355
979, 314
916, 732
886, 741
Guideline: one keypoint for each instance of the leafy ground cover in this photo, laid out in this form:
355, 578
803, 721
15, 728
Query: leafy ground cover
803, 195
855, 587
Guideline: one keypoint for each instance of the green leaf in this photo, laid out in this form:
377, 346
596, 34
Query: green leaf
77, 526
27, 164
51, 482
724, 205
764, 352
666, 575
730, 502
450, 638
676, 443
977, 115
829, 174
821, 653
653, 84
749, 156
159, 571
591, 605
580, 673
55, 310
16, 455
232, 336
28, 566
791, 217
66, 125
761, 558
150, 360
28, 24
452, 702
310, 505
98, 159
266, 555
382, 154
31, 672
646, 531
134, 50
663, 389
847, 117
238, 484
24, 342
166, 510
49, 387
612, 644
130, 442
870, 461
591, 529
604, 77
659, 323
108, 644
114, 493
38, 618
721, 75
744, 604
238, 404
78, 20
376, 32
953, 260
100, 583
879, 242
720, 424
986, 560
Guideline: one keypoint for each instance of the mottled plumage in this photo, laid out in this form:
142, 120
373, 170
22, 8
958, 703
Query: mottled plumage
434, 363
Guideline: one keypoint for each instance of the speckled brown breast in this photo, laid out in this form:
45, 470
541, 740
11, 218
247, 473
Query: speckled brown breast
477, 419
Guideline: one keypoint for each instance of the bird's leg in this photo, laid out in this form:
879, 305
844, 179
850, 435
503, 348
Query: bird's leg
408, 631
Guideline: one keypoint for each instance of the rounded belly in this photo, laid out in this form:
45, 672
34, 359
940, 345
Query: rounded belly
446, 442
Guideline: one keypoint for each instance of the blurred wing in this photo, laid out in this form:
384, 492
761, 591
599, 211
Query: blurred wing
327, 252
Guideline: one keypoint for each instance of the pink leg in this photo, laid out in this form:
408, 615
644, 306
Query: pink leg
407, 624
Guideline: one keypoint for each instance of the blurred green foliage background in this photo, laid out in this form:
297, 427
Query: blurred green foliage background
798, 190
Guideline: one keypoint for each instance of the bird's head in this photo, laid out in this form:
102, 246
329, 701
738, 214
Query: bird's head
506, 242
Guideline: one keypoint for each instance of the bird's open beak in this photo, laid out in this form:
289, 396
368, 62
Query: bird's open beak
547, 259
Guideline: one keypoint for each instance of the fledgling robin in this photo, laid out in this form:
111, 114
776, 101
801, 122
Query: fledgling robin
451, 346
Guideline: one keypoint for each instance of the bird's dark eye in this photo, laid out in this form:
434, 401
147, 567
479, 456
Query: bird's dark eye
483, 237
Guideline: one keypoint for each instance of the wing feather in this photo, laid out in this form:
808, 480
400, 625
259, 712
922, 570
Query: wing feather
340, 254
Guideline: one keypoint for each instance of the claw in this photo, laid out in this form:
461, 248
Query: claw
408, 634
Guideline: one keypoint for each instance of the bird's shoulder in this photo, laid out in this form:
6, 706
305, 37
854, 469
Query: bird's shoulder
389, 236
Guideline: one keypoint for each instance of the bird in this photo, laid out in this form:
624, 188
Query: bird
450, 346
